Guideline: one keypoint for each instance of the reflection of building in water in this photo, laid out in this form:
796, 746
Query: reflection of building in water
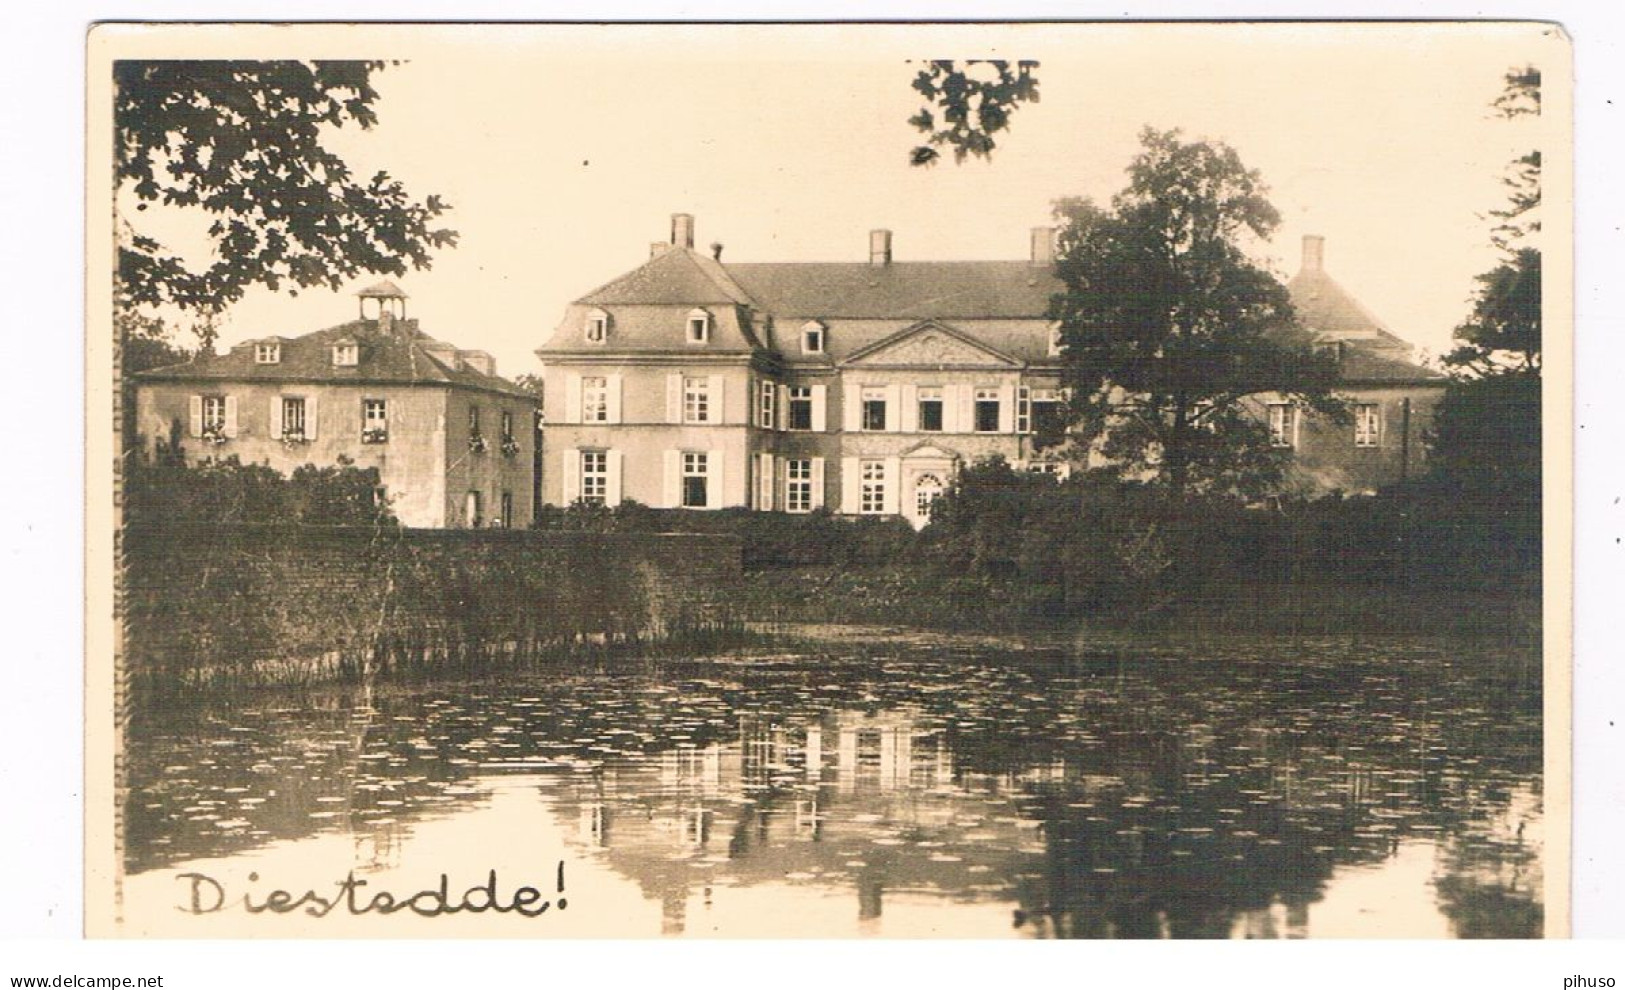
862, 801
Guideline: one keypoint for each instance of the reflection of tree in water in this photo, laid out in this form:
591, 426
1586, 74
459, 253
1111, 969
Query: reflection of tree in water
1489, 872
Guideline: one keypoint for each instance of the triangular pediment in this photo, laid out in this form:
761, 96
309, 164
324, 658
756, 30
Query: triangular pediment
930, 344
929, 451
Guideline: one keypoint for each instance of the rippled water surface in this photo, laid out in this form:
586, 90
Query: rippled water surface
909, 789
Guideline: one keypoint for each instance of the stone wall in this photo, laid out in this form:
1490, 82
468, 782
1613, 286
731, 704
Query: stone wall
292, 603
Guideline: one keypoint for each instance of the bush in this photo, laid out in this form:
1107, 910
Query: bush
165, 489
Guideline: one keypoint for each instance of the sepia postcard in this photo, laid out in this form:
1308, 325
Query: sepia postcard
906, 480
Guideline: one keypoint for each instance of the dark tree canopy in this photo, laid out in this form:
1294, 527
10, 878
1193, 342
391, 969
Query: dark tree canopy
1167, 326
967, 103
243, 142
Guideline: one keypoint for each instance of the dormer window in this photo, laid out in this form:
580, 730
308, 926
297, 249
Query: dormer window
812, 337
346, 354
597, 328
1055, 340
268, 353
699, 326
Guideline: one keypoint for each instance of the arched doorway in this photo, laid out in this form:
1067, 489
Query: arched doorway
927, 488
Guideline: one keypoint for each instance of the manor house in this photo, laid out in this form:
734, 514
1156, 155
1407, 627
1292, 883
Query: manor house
453, 442
861, 386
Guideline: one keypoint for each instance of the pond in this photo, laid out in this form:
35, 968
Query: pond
866, 787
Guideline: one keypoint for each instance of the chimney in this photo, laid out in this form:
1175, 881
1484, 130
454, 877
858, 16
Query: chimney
1043, 246
682, 230
386, 320
879, 247
716, 250
1314, 253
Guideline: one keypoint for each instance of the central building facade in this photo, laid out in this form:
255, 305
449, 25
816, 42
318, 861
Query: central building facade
861, 387
857, 387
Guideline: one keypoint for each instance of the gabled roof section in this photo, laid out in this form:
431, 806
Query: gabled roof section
916, 290
1327, 308
1363, 365
675, 276
403, 355
931, 343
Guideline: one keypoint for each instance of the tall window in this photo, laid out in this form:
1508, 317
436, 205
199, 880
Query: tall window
474, 510
874, 409
474, 421
930, 409
293, 417
696, 400
696, 475
812, 338
764, 405
987, 410
1367, 424
267, 353
507, 423
798, 485
872, 493
214, 414
374, 421
595, 399
801, 407
1283, 424
594, 476
506, 520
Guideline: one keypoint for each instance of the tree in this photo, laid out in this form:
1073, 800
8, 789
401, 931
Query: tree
1167, 327
967, 103
243, 143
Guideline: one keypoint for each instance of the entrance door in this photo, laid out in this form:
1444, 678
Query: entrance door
927, 487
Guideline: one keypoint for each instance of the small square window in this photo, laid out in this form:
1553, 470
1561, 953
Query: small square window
345, 355
267, 353
812, 338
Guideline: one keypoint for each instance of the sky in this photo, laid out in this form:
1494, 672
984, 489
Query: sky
565, 149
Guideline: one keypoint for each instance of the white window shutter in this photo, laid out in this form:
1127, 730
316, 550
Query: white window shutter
612, 479
818, 482
717, 411
310, 417
716, 477
276, 417
819, 408
894, 484
572, 476
612, 398
764, 483
671, 488
1007, 409
850, 485
674, 397
195, 421
231, 415
784, 408
1024, 410
572, 399
894, 407
909, 414
852, 407
967, 409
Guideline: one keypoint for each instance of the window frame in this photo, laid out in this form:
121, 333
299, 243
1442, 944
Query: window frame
813, 339
798, 485
793, 402
697, 399
872, 409
1367, 425
217, 422
267, 352
374, 429
695, 467
291, 402
346, 354
981, 399
593, 473
698, 319
766, 403
596, 328
871, 487
934, 395
1283, 435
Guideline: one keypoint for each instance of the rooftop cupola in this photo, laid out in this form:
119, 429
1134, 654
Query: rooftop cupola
384, 302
